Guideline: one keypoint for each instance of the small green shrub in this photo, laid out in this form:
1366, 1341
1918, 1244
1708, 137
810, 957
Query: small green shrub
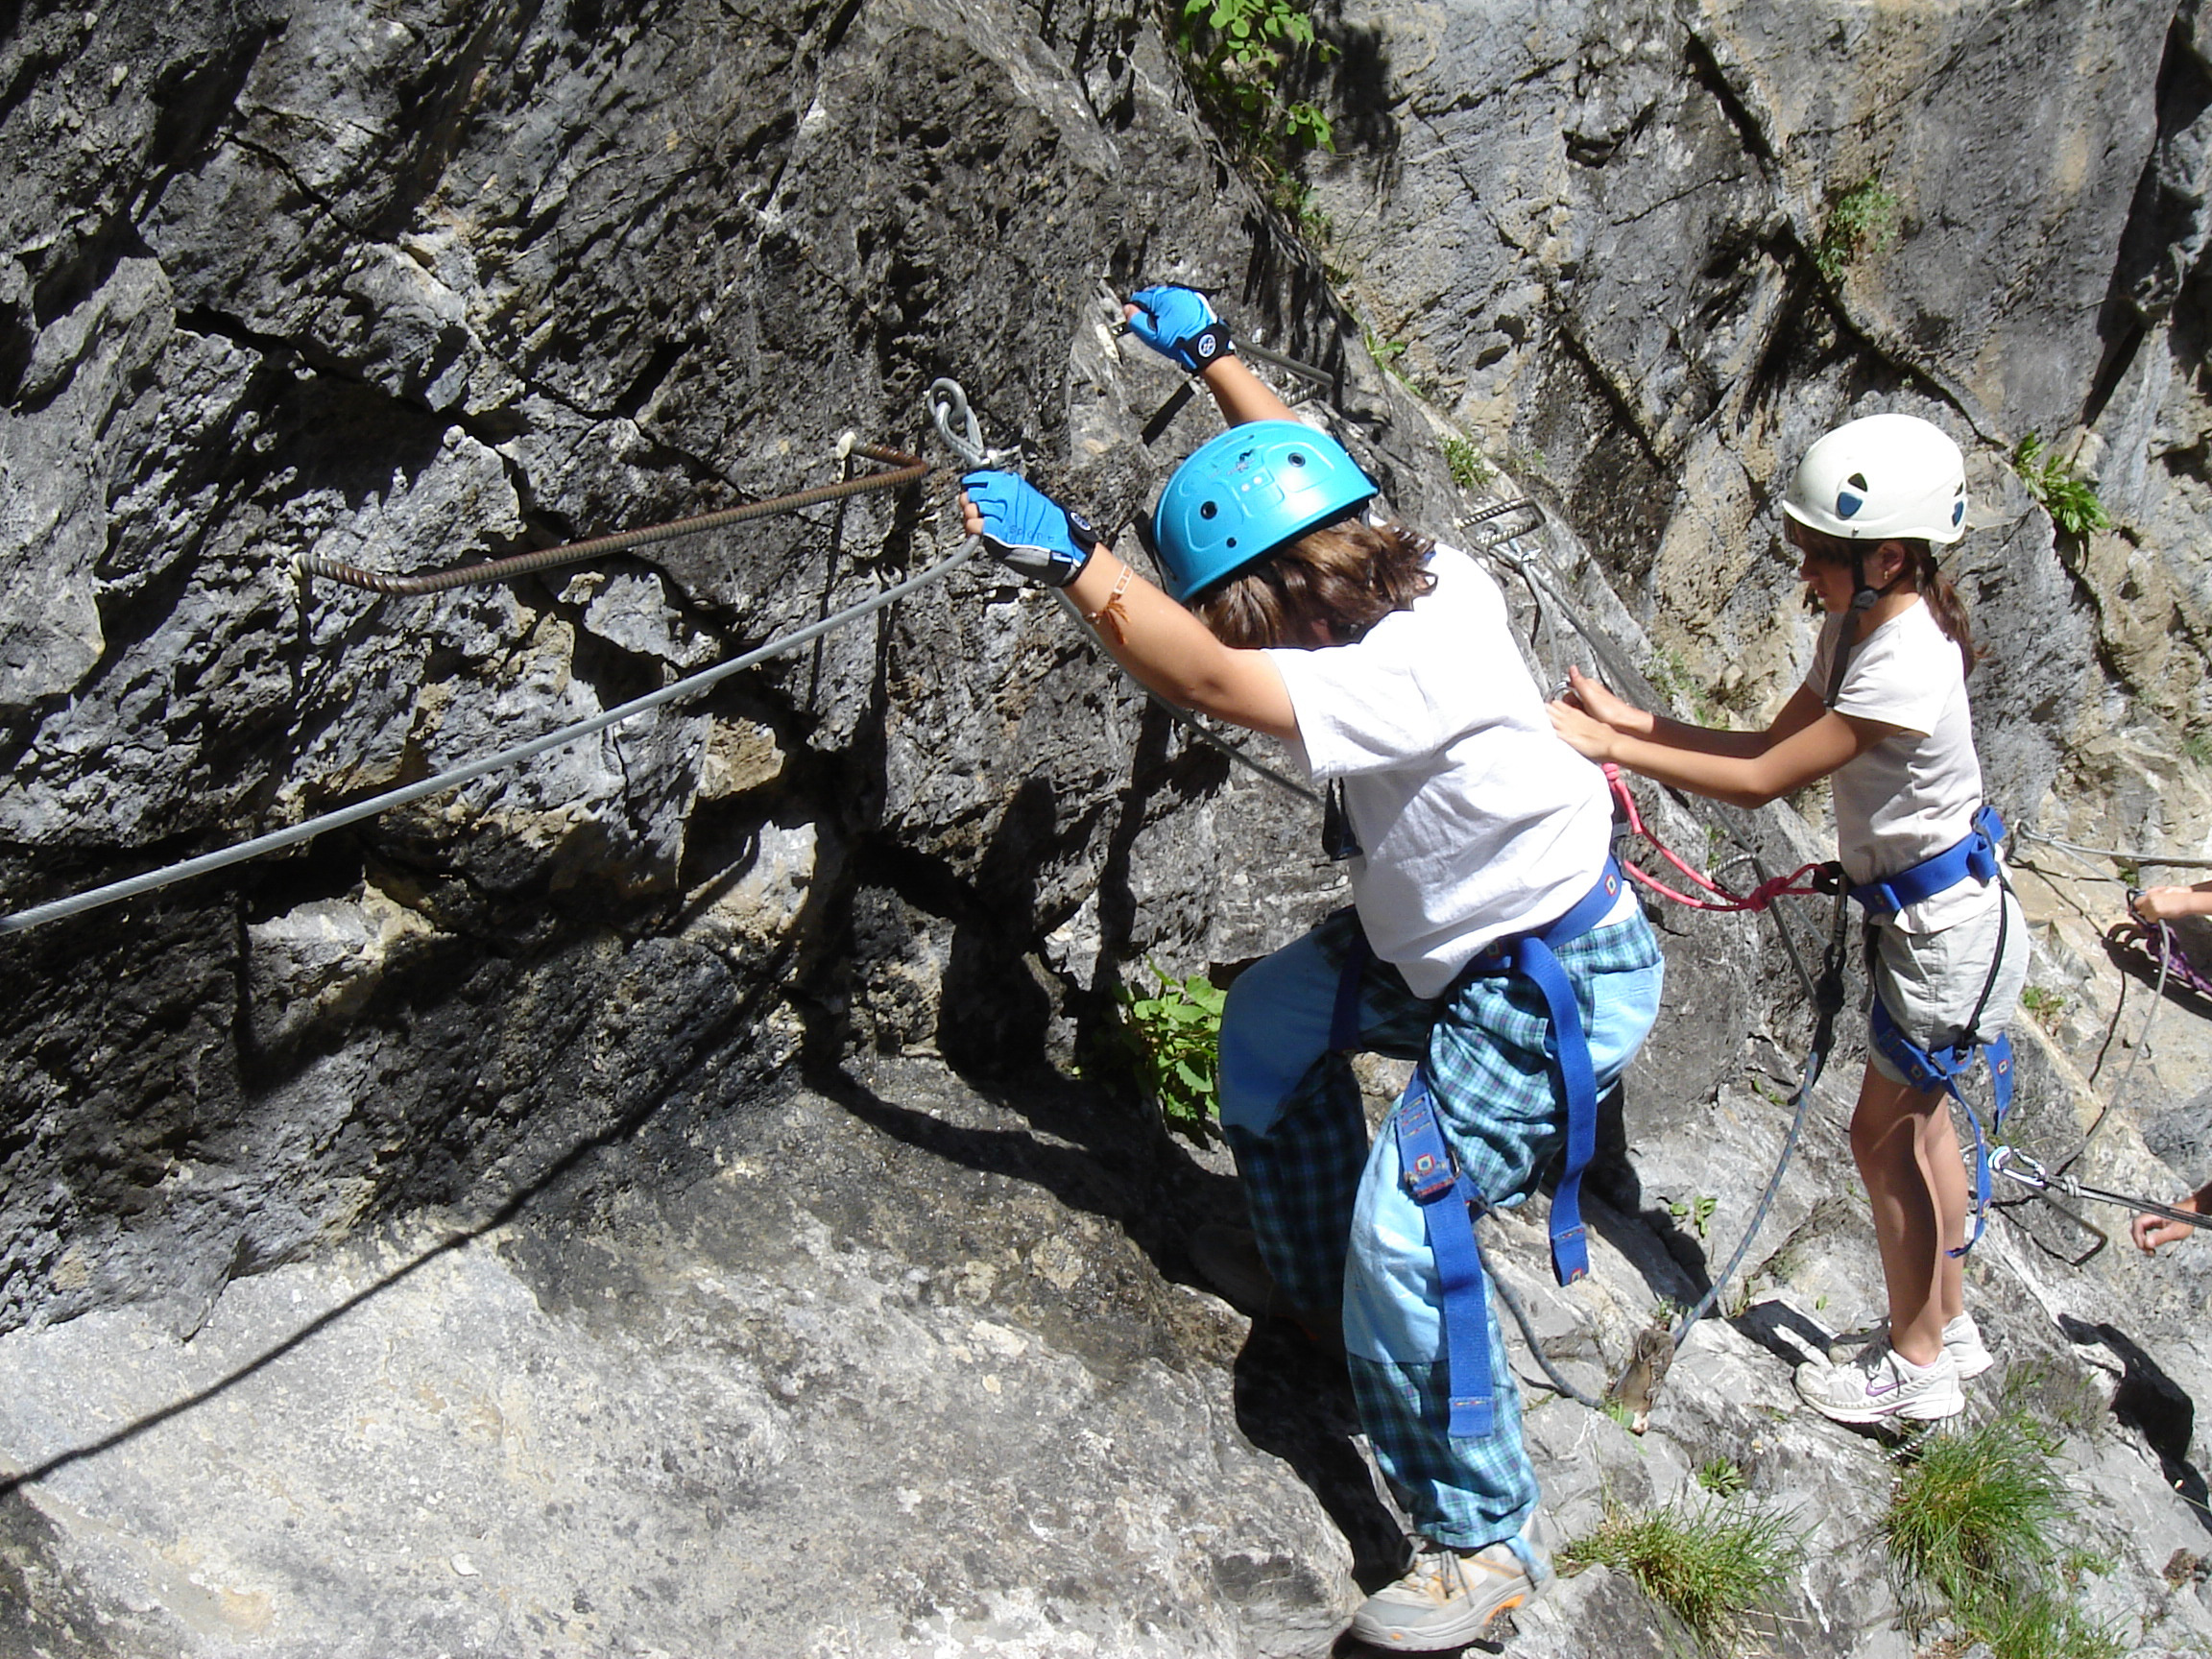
1697, 1212
1238, 55
1722, 1477
1713, 1567
1861, 221
2046, 1006
1171, 1040
1469, 471
2070, 498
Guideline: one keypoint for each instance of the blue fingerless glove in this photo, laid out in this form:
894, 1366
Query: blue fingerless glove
1181, 325
1027, 531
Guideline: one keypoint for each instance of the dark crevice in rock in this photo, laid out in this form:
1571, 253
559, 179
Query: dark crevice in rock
1705, 71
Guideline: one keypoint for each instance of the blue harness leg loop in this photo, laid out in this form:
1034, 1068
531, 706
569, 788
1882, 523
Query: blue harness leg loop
1929, 1069
1975, 855
1530, 956
1445, 1196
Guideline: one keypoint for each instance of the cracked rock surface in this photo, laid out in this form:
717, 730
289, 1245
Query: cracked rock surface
670, 1196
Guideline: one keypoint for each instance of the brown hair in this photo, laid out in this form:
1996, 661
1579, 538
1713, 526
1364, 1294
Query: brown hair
1345, 576
1920, 566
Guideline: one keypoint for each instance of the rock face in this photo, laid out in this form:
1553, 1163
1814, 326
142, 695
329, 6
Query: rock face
636, 1201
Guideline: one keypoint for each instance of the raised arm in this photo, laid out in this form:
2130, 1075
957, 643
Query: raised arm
1181, 324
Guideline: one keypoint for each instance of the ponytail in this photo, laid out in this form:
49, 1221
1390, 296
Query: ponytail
1943, 602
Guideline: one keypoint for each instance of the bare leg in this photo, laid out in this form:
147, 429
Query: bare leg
1907, 1155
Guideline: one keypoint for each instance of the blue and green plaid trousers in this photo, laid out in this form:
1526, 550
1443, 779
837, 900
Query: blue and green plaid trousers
1333, 1220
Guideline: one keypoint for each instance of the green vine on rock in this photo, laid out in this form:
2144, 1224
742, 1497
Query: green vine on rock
1861, 222
1238, 55
2062, 491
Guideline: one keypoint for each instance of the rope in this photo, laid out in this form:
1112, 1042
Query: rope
115, 892
2118, 854
908, 469
1758, 899
1506, 1294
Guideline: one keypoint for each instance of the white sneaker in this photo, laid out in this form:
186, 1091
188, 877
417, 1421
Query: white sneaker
1880, 1384
1962, 1341
1446, 1600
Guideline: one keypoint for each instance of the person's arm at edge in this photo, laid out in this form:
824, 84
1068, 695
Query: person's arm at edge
2166, 903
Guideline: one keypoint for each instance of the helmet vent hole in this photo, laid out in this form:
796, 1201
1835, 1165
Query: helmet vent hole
1231, 542
1295, 457
1857, 481
1208, 509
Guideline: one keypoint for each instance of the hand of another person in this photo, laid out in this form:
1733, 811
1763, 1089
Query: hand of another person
1181, 324
1024, 529
1602, 705
2165, 904
2151, 1231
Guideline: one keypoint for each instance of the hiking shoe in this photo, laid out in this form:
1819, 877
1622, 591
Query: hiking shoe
1962, 1341
1880, 1384
1446, 1600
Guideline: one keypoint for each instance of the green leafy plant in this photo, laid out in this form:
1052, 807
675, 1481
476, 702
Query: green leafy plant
2047, 1006
1469, 471
1697, 1212
1713, 1567
1238, 55
1861, 221
2062, 491
1975, 1518
1171, 1040
1722, 1477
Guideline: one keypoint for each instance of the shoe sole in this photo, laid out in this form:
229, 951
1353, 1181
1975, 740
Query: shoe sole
1440, 1639
1863, 1416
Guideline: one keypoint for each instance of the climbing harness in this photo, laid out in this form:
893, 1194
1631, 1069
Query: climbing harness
906, 470
1448, 1200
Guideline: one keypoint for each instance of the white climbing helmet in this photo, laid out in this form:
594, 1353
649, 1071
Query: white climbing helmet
1881, 476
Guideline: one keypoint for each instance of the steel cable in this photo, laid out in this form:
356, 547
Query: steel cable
906, 470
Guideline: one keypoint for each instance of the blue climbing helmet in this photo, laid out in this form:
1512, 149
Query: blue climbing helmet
1244, 495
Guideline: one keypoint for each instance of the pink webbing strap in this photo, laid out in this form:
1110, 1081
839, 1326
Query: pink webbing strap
1758, 899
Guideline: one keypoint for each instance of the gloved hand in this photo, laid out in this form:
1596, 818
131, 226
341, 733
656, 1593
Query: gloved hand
1181, 325
1027, 531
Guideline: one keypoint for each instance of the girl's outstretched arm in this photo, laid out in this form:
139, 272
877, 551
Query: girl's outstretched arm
1743, 768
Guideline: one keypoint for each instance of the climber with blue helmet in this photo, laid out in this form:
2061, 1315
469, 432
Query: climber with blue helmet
1490, 939
1883, 712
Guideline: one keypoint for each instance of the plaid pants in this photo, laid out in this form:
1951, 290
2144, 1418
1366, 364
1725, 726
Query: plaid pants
1333, 1220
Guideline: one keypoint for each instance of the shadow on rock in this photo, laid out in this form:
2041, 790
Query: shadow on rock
2156, 1407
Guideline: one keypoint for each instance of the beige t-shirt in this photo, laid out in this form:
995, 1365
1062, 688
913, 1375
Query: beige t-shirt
1914, 793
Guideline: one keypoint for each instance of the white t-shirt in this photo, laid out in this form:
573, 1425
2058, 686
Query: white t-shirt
1475, 819
1914, 793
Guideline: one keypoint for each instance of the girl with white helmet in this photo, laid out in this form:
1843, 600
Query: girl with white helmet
1492, 940
1883, 712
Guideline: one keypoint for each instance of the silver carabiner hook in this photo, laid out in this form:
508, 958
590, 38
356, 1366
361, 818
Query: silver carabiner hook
947, 403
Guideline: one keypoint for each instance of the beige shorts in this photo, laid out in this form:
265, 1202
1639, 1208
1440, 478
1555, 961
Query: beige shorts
1932, 982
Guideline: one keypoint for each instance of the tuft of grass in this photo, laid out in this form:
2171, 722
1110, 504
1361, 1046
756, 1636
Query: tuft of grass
1974, 1517
2070, 498
1861, 222
1713, 1566
2046, 1005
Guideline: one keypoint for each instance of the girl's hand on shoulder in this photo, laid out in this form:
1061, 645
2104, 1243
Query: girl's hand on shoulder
1603, 705
1591, 739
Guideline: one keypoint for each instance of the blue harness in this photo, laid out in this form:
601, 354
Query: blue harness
1974, 856
1448, 1198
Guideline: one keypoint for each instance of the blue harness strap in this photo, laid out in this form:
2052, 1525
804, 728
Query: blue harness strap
1447, 1200
1975, 855
1926, 1070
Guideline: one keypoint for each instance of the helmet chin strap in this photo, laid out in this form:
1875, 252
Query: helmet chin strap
1863, 599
